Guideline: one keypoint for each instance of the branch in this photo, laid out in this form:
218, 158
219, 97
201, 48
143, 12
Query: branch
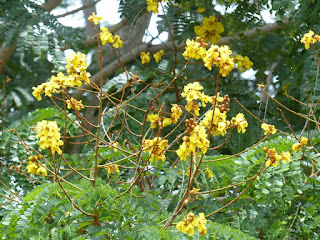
78, 9
6, 51
50, 5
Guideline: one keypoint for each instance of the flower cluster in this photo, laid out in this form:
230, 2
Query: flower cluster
239, 122
112, 168
152, 5
188, 225
107, 37
156, 121
34, 167
298, 146
49, 136
73, 103
158, 55
273, 158
78, 75
198, 138
145, 57
192, 92
243, 63
156, 148
94, 19
219, 56
269, 129
308, 39
209, 30
217, 124
194, 50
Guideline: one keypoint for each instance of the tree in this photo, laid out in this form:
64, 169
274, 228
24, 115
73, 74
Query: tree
160, 140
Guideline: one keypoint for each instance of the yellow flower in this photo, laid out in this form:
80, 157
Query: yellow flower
286, 157
193, 106
95, 19
209, 30
273, 157
308, 39
176, 113
240, 122
166, 122
117, 42
304, 140
42, 171
152, 5
49, 136
156, 148
77, 63
200, 223
198, 139
106, 36
201, 10
112, 168
218, 124
244, 63
32, 167
221, 57
188, 225
209, 172
157, 56
193, 50
298, 146
269, 129
73, 103
154, 120
145, 57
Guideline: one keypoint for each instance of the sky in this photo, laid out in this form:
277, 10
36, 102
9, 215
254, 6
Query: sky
108, 9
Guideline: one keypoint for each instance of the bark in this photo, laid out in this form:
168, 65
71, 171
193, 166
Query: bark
50, 5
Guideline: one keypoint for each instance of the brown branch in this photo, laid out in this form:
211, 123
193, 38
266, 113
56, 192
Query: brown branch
50, 5
77, 9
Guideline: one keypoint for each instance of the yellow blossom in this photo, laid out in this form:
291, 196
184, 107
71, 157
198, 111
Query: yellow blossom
156, 148
95, 19
260, 85
34, 166
188, 225
221, 57
112, 168
166, 122
286, 157
308, 39
217, 124
176, 113
198, 139
157, 56
49, 136
152, 5
298, 146
145, 57
201, 10
243, 63
304, 140
73, 103
192, 91
272, 157
209, 172
117, 42
269, 129
240, 122
209, 30
193, 106
42, 171
193, 50
77, 63
106, 36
